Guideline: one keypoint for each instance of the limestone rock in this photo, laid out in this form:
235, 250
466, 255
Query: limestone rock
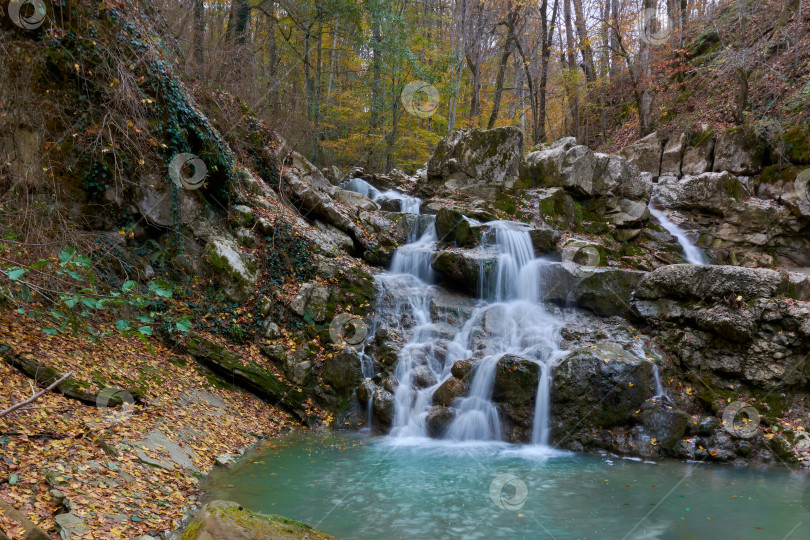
697, 157
235, 271
223, 520
645, 154
479, 162
311, 302
739, 151
672, 155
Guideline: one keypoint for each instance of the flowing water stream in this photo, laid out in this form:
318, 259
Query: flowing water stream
472, 484
509, 319
692, 253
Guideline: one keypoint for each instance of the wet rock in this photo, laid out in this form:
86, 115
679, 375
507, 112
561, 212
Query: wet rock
665, 423
516, 381
423, 377
599, 386
462, 368
544, 240
449, 391
438, 419
462, 268
343, 371
383, 405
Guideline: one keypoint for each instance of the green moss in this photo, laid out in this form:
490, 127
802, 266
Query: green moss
796, 142
505, 203
192, 531
779, 173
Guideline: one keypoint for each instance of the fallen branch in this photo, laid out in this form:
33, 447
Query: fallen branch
35, 397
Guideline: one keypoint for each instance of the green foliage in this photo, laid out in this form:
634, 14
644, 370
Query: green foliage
72, 311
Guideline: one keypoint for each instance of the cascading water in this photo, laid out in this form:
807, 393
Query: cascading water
510, 321
408, 205
692, 253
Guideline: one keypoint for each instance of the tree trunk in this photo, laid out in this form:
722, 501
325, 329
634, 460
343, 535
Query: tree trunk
238, 21
475, 90
571, 86
496, 105
197, 50
584, 43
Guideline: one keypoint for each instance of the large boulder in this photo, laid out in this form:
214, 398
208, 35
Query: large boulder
564, 164
645, 154
224, 520
738, 323
479, 162
343, 371
599, 386
698, 155
356, 201
233, 269
462, 268
716, 193
615, 175
793, 146
603, 291
672, 155
739, 151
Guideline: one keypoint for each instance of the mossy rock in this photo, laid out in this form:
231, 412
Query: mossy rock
254, 378
795, 146
224, 520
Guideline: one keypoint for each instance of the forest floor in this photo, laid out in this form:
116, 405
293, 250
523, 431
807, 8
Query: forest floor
125, 471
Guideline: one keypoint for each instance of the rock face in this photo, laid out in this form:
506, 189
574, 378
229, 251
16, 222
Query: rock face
479, 162
699, 154
224, 520
672, 155
598, 387
645, 154
739, 151
717, 193
737, 323
235, 271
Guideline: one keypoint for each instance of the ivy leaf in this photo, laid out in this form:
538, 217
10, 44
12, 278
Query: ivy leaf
50, 331
145, 330
128, 285
90, 302
16, 274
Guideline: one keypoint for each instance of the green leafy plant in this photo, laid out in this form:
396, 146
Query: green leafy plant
72, 311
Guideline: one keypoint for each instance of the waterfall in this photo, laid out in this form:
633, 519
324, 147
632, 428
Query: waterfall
509, 320
692, 253
408, 205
